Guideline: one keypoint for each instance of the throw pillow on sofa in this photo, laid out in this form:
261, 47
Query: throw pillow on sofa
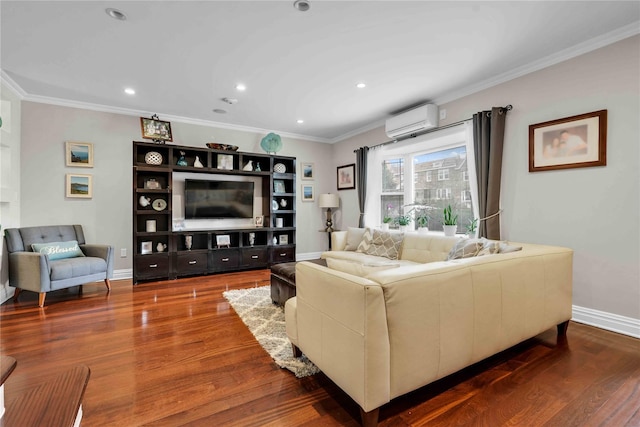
354, 237
381, 243
58, 250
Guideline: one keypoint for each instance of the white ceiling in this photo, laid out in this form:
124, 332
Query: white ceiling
182, 57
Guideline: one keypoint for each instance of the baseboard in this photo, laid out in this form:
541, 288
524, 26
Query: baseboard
125, 273
308, 256
6, 292
609, 321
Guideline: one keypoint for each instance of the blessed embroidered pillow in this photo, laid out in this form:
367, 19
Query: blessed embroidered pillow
58, 250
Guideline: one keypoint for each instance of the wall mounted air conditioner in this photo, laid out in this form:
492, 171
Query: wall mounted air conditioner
412, 121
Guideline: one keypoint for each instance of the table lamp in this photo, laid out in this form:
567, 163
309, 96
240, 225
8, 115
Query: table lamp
329, 201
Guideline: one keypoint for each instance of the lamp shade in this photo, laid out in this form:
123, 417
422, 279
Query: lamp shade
328, 200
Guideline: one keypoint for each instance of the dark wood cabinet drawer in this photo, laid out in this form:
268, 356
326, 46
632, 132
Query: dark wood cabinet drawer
282, 254
224, 259
254, 257
152, 266
191, 263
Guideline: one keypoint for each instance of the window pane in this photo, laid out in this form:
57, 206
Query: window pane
393, 176
450, 187
391, 207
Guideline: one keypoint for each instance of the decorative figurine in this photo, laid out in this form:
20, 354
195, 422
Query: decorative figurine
248, 166
198, 163
161, 247
181, 160
188, 241
258, 167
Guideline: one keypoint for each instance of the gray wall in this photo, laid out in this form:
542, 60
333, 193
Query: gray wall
106, 217
595, 211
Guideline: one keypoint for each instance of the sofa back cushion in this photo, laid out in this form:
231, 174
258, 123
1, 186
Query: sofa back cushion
425, 248
21, 239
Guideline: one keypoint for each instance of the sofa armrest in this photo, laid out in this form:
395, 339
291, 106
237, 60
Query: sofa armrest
100, 251
338, 240
341, 326
29, 271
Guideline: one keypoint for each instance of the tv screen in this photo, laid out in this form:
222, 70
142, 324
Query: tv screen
218, 199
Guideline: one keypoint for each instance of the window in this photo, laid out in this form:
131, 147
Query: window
409, 177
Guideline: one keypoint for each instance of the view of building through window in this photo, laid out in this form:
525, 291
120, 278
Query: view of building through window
439, 178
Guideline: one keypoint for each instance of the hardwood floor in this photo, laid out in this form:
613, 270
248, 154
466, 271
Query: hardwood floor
174, 353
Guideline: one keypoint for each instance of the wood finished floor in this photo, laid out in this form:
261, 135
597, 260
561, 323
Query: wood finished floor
174, 353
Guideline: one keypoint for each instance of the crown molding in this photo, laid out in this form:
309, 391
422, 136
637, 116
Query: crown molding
12, 85
363, 129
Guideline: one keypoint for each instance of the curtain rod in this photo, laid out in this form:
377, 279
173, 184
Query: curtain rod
424, 132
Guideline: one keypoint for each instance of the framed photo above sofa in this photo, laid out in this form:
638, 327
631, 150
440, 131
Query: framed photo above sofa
571, 142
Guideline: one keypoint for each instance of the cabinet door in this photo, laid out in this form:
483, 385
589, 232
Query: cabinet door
254, 258
152, 266
191, 263
285, 254
224, 260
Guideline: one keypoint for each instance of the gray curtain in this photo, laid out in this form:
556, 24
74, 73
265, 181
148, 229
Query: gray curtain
488, 134
361, 179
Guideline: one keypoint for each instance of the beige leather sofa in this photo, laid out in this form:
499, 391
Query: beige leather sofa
397, 329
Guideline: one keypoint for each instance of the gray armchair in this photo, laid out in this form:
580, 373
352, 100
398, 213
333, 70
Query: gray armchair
42, 273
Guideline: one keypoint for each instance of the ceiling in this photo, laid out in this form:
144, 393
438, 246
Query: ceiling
183, 57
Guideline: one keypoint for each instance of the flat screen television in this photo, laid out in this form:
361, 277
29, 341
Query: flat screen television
218, 199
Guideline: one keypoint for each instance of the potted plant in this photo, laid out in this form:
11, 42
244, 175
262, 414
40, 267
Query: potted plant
422, 219
385, 222
403, 221
450, 223
472, 227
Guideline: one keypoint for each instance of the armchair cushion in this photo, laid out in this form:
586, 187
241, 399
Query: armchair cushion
75, 267
58, 250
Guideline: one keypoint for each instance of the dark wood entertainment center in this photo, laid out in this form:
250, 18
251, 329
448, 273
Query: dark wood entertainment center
153, 168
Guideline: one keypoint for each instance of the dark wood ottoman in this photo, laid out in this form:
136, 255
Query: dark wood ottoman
283, 280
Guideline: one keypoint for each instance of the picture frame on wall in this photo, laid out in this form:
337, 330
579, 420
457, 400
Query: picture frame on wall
308, 194
79, 186
306, 171
79, 154
346, 177
571, 142
155, 129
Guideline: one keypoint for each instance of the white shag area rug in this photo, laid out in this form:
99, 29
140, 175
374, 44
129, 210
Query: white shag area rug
266, 322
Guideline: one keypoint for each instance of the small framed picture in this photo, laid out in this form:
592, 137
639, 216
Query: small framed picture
278, 186
146, 248
223, 240
308, 195
155, 129
260, 221
307, 171
347, 177
79, 154
80, 186
571, 142
225, 161
283, 239
151, 184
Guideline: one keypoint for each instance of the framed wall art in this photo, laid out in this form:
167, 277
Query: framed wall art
307, 171
155, 129
347, 177
571, 142
79, 154
308, 195
278, 187
225, 161
80, 186
146, 248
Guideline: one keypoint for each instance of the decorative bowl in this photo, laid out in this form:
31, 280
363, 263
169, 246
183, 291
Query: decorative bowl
226, 147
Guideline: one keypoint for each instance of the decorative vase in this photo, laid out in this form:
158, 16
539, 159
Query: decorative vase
384, 226
403, 228
423, 230
450, 230
258, 167
144, 201
188, 241
248, 166
161, 247
197, 163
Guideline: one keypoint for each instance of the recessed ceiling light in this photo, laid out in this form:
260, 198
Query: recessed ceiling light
300, 121
302, 5
116, 14
129, 91
361, 85
241, 87
220, 111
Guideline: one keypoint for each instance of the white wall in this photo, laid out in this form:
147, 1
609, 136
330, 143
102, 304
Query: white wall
106, 217
595, 211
